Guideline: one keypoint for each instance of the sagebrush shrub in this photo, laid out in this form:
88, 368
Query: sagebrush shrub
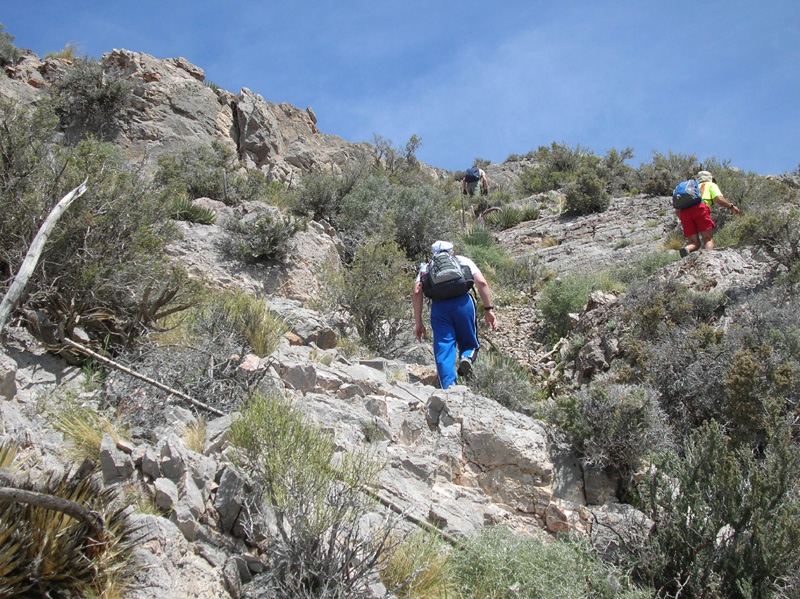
319, 194
496, 560
660, 176
9, 53
317, 496
502, 379
107, 249
375, 290
213, 172
90, 98
586, 194
265, 237
616, 426
726, 518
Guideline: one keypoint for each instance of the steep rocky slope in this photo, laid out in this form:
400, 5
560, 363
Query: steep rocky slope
455, 460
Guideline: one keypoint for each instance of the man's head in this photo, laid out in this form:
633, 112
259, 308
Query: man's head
703, 177
441, 246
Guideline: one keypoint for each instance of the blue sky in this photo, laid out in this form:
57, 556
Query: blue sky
475, 79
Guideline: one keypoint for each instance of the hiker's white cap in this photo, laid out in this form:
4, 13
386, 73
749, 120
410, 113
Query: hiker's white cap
703, 177
442, 246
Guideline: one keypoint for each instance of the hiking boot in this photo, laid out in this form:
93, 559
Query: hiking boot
465, 368
683, 252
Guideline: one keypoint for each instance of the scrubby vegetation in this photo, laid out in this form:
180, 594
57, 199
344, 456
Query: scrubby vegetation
315, 494
696, 417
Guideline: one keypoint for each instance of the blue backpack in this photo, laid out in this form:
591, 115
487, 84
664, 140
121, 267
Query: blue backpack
472, 174
687, 194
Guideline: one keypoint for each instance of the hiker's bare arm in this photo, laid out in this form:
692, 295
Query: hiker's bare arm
726, 204
419, 328
486, 297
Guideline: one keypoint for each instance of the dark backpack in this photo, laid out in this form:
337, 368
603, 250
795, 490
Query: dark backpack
446, 277
473, 174
686, 194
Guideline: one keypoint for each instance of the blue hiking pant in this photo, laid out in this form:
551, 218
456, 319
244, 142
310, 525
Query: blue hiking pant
454, 323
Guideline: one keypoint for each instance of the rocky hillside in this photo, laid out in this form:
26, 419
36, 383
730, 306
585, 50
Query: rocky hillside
455, 461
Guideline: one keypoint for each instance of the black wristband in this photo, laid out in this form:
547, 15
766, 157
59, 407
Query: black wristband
488, 307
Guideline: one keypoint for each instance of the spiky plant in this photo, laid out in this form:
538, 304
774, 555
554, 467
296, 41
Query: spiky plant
185, 209
46, 552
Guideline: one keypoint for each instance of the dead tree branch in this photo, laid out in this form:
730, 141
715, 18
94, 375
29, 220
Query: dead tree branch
59, 504
141, 377
17, 289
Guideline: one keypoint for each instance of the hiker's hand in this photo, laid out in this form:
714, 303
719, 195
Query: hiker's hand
463, 192
491, 320
484, 192
734, 209
420, 333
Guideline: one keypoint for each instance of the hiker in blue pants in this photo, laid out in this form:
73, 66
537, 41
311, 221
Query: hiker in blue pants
454, 320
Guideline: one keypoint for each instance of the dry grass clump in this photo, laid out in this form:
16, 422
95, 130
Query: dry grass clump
83, 428
419, 568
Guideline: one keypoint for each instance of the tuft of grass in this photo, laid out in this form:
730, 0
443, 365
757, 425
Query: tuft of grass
549, 242
419, 568
504, 219
69, 52
140, 499
83, 428
674, 241
194, 435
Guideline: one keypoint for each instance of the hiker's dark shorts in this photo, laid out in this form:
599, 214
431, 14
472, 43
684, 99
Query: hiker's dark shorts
696, 219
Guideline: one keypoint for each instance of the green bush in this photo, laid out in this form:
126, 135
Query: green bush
613, 426
726, 519
497, 563
107, 249
319, 194
768, 210
375, 290
317, 495
663, 173
213, 172
587, 179
9, 53
586, 194
265, 237
563, 296
619, 176
502, 379
413, 216
90, 99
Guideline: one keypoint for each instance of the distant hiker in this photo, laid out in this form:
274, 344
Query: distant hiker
447, 280
696, 217
471, 180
